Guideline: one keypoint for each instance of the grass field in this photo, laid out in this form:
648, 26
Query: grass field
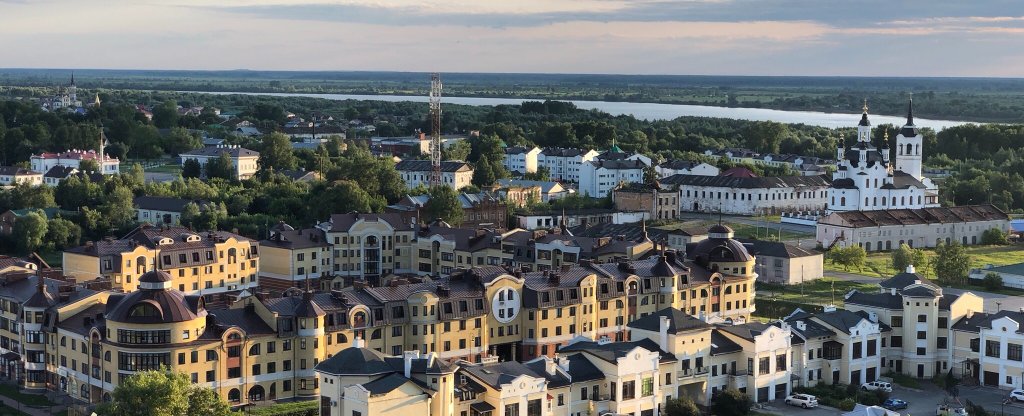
170, 168
878, 264
817, 292
6, 410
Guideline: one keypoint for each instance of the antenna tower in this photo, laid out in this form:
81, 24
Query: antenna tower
435, 129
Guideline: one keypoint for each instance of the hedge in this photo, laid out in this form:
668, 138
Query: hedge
305, 408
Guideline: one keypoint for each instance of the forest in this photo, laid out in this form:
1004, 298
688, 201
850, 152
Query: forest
983, 161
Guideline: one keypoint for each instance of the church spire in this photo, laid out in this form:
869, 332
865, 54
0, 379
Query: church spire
910, 110
864, 114
72, 78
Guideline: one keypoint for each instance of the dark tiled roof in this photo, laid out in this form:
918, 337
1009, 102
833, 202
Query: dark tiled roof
495, 375
721, 344
297, 239
560, 152
234, 152
356, 361
612, 351
902, 280
14, 170
581, 369
881, 300
678, 321
775, 249
937, 215
946, 300
343, 222
249, 322
972, 323
387, 384
171, 305
746, 331
59, 172
840, 319
746, 182
160, 203
920, 292
425, 166
618, 164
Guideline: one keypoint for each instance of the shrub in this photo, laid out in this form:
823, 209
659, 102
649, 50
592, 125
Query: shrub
306, 408
847, 404
992, 281
682, 406
731, 402
994, 236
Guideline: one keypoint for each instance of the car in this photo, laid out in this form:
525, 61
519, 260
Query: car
948, 410
877, 385
1017, 395
894, 404
805, 401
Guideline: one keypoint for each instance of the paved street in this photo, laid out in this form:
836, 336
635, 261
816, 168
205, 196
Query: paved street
922, 402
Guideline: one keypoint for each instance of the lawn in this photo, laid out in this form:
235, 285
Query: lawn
823, 291
6, 410
11, 390
878, 264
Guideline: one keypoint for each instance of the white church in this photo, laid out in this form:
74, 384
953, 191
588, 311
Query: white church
867, 180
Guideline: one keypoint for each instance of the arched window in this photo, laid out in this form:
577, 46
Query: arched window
234, 395
619, 305
910, 148
842, 201
375, 334
254, 349
342, 338
256, 393
359, 319
140, 265
144, 310
106, 356
85, 391
867, 246
63, 341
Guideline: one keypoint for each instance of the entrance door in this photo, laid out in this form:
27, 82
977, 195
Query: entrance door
855, 377
991, 378
899, 366
871, 375
938, 368
920, 371
762, 394
780, 391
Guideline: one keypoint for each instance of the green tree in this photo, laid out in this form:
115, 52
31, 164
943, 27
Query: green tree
23, 195
163, 393
853, 256
191, 169
542, 174
731, 402
119, 210
764, 136
457, 151
994, 236
190, 214
221, 167
29, 231
681, 406
180, 140
62, 234
444, 204
276, 153
89, 165
905, 256
341, 197
165, 115
136, 176
951, 263
993, 281
483, 173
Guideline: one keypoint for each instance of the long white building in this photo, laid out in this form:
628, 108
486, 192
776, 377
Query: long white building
564, 164
521, 159
599, 177
749, 195
417, 172
867, 180
925, 227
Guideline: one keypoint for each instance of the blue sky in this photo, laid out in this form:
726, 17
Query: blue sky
728, 37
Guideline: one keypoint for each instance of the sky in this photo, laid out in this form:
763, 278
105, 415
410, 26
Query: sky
975, 38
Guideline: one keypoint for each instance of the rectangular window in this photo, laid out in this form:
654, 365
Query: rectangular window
992, 348
857, 350
940, 343
628, 390
647, 388
763, 366
922, 318
896, 321
780, 362
1013, 352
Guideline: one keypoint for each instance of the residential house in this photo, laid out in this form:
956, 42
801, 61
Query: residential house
456, 175
12, 175
244, 161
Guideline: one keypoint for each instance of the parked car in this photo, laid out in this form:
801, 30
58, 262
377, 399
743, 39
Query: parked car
805, 401
947, 410
877, 385
1017, 395
894, 404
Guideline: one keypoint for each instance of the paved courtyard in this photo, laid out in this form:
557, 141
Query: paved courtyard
922, 402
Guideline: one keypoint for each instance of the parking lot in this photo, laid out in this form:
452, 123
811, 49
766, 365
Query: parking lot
921, 402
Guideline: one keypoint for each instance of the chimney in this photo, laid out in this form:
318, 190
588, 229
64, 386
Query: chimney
566, 267
358, 342
670, 255
563, 362
910, 268
407, 357
663, 333
549, 365
892, 291
801, 325
358, 284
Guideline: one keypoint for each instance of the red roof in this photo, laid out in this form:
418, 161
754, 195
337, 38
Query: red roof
739, 172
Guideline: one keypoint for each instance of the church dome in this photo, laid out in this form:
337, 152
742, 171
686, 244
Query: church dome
155, 280
156, 307
721, 250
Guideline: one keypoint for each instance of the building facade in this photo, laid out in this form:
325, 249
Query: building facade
867, 180
749, 195
597, 178
660, 203
685, 167
12, 175
925, 227
564, 164
244, 161
521, 159
456, 175
43, 162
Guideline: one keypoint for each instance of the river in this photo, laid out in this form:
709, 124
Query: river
651, 111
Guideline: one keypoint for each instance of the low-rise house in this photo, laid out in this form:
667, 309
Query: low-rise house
923, 227
56, 174
301, 175
244, 161
482, 209
988, 348
685, 167
836, 346
12, 175
10, 217
417, 172
660, 203
549, 190
161, 210
785, 263
574, 218
1012, 275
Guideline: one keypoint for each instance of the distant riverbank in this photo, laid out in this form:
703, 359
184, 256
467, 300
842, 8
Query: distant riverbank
649, 111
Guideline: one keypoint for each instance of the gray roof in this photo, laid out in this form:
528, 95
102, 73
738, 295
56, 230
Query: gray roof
902, 280
745, 182
425, 166
15, 170
746, 331
581, 369
881, 300
678, 321
495, 375
612, 351
234, 152
840, 319
721, 344
775, 249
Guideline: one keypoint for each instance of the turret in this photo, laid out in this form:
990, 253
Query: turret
885, 147
908, 145
864, 127
840, 149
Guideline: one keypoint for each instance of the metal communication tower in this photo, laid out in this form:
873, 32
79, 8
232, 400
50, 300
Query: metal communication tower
435, 129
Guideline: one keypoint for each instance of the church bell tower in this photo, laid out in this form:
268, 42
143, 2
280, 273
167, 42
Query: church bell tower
908, 145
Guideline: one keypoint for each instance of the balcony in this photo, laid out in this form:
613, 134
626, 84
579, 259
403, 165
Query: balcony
693, 372
740, 373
